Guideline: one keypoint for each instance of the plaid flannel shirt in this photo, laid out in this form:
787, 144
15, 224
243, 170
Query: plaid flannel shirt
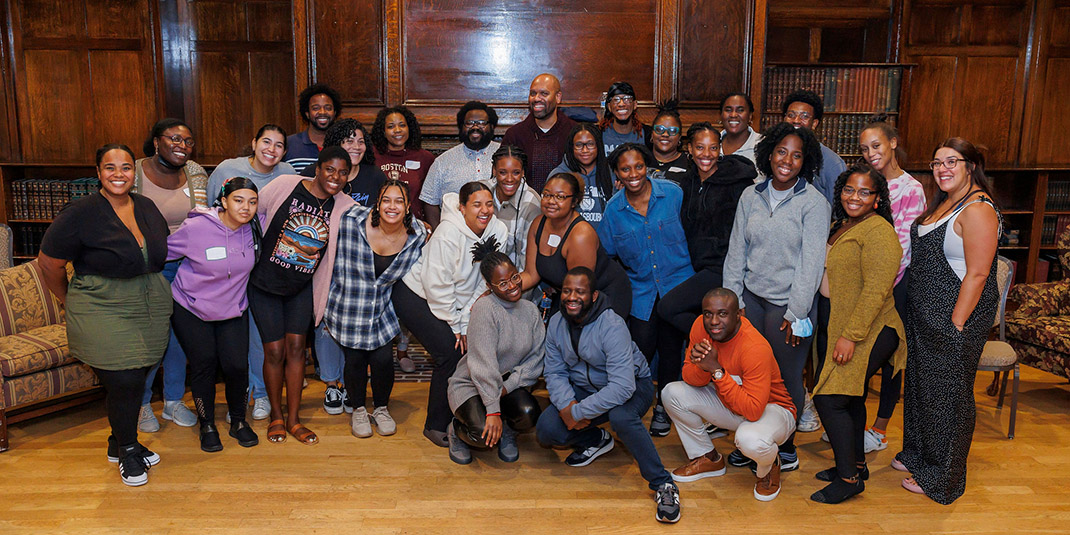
359, 314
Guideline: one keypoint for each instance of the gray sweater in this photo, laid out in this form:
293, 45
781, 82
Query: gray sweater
241, 167
779, 253
503, 338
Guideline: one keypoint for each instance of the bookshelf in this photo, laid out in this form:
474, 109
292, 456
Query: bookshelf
853, 93
32, 193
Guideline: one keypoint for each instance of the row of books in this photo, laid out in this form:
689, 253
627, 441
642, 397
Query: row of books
28, 239
42, 198
842, 89
1053, 227
837, 132
1058, 196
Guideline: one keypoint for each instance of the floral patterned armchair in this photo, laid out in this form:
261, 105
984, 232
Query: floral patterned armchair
1039, 328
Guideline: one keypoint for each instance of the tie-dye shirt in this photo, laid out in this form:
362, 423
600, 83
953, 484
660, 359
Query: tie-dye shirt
908, 202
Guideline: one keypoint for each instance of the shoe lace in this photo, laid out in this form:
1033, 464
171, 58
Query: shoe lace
668, 495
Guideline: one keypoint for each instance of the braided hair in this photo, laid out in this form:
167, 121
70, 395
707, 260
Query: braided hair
491, 261
395, 183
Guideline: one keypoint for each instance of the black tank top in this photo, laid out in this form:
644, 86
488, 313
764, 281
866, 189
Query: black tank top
552, 268
381, 263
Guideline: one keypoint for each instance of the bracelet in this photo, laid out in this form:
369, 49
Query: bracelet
494, 414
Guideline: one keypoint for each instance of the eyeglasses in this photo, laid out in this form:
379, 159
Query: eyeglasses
621, 99
949, 163
661, 129
178, 140
559, 197
863, 193
590, 145
477, 122
514, 280
798, 115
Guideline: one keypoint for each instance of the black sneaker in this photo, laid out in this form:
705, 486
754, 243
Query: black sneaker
151, 458
210, 438
586, 456
737, 459
715, 432
345, 402
332, 400
789, 461
244, 434
668, 499
133, 469
660, 423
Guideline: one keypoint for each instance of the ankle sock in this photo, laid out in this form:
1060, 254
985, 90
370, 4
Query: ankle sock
830, 474
837, 491
881, 432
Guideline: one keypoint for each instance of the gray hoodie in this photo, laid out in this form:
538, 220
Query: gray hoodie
779, 253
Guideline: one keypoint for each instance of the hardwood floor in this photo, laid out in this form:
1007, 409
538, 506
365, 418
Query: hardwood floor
55, 479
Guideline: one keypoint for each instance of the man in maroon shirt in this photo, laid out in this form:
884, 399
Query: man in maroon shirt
543, 134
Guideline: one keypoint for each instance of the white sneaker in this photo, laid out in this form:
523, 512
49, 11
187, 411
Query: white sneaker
874, 441
809, 421
146, 420
359, 424
261, 408
383, 422
825, 436
179, 413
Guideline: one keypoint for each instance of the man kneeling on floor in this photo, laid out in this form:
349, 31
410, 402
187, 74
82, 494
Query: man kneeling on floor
732, 381
595, 373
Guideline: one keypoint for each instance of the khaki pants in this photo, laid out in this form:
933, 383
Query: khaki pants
689, 406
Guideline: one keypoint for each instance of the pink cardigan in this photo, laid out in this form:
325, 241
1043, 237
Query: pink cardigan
272, 197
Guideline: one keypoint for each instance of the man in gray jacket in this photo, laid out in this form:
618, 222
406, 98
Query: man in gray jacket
594, 374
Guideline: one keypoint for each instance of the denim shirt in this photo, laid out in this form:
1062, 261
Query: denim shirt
652, 249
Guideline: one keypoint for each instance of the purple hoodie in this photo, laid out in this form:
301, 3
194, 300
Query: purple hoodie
211, 280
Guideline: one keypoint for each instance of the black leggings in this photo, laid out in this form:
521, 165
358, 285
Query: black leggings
355, 374
682, 305
209, 345
122, 395
437, 337
892, 385
844, 417
520, 411
659, 336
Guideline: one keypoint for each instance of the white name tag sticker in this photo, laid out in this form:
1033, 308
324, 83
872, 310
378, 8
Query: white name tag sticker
676, 170
412, 164
553, 240
215, 253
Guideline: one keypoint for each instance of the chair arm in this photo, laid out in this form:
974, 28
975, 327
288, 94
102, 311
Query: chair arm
1039, 299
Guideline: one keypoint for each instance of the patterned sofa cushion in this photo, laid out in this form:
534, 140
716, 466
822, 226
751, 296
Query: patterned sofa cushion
43, 385
34, 350
1041, 359
1048, 332
25, 304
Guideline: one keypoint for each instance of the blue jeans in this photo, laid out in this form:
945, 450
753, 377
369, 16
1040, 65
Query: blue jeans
626, 420
174, 359
329, 354
257, 390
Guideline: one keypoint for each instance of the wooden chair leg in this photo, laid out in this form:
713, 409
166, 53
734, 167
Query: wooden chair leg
1014, 403
1002, 389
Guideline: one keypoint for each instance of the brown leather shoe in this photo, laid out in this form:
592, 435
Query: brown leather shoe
700, 467
767, 488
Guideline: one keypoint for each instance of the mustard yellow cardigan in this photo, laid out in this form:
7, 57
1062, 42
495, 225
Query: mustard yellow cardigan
862, 265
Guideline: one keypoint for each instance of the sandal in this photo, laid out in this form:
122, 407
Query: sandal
898, 465
303, 434
276, 431
912, 486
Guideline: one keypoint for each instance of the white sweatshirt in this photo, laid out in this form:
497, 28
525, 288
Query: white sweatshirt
445, 276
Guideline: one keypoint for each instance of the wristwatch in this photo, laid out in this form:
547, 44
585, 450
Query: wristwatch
718, 374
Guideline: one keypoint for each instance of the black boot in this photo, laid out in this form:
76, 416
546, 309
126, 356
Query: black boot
210, 438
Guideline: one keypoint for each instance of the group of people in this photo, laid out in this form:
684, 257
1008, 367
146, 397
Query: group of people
628, 268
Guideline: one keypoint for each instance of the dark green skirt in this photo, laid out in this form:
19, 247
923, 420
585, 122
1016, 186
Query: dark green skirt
118, 324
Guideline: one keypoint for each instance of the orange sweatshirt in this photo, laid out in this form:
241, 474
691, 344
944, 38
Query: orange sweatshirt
746, 356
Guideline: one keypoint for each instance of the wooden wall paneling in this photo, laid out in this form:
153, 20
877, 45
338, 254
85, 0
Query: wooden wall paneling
754, 54
348, 48
1046, 119
666, 53
713, 51
46, 120
241, 61
9, 128
988, 110
122, 99
928, 119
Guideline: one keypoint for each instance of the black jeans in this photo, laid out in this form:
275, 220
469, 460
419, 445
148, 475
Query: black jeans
767, 319
437, 337
844, 417
355, 374
122, 395
520, 411
210, 345
892, 385
659, 336
682, 305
